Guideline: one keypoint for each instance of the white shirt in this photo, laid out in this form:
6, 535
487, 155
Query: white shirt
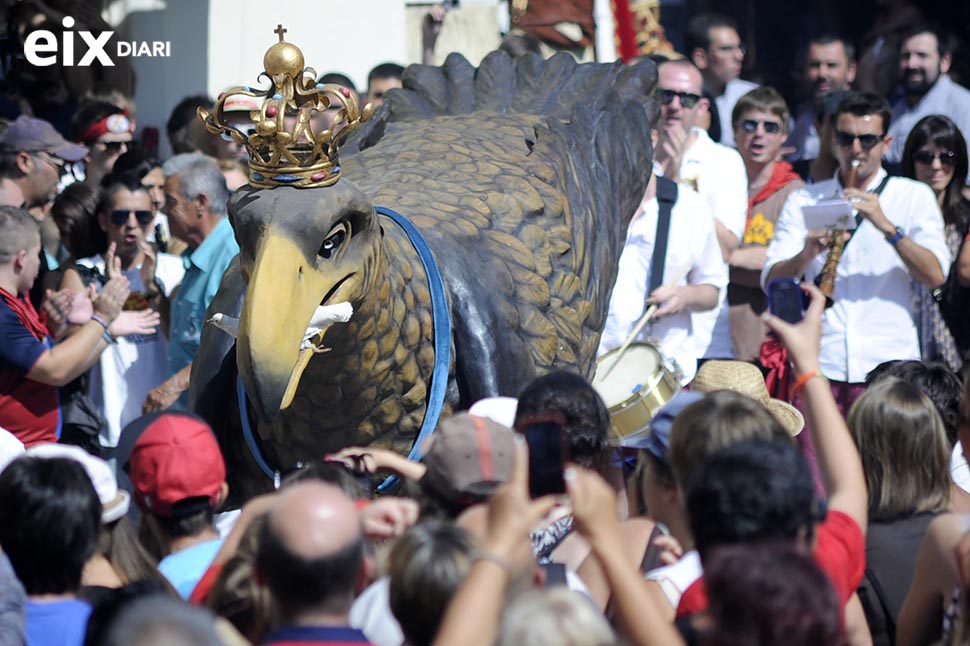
945, 97
692, 250
719, 176
129, 369
733, 91
675, 578
871, 320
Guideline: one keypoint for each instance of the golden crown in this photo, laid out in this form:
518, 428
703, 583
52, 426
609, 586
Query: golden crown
279, 156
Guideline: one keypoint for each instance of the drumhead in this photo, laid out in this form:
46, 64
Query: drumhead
638, 365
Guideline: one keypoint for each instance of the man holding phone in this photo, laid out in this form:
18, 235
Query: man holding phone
898, 238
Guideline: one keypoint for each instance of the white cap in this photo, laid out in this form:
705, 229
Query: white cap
10, 447
500, 410
114, 501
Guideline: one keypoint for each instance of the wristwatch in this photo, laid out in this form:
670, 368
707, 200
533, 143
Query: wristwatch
896, 237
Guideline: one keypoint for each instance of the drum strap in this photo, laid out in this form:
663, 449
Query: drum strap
666, 196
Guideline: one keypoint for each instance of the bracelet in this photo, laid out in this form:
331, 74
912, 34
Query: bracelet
896, 237
801, 381
98, 319
488, 557
108, 338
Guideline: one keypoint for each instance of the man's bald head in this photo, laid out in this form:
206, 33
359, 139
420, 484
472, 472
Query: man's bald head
314, 519
311, 550
681, 72
679, 89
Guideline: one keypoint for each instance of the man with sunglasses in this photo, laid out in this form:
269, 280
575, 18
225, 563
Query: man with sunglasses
106, 130
715, 48
898, 237
686, 154
760, 127
924, 60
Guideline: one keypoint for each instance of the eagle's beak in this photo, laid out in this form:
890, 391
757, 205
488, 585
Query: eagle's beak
284, 291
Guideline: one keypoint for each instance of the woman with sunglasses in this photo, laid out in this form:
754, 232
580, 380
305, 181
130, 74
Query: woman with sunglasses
936, 154
130, 368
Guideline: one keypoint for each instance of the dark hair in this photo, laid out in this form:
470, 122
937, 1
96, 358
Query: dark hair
339, 79
115, 183
699, 29
335, 473
75, 213
943, 133
50, 517
385, 71
298, 583
946, 43
183, 113
520, 44
135, 162
830, 39
109, 603
752, 492
184, 522
586, 418
88, 114
426, 566
935, 380
118, 542
770, 594
861, 104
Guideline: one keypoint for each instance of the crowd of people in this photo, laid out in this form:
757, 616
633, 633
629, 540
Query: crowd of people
807, 485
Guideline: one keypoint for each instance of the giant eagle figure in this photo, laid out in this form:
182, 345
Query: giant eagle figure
521, 177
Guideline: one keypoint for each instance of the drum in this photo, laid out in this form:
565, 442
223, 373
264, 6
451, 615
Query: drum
635, 389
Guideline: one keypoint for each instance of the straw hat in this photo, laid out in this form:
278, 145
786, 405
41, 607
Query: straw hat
745, 378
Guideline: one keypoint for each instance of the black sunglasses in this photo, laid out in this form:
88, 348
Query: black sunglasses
868, 142
120, 216
112, 146
687, 100
771, 127
947, 159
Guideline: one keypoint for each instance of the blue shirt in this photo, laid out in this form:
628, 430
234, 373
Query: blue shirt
317, 636
183, 569
57, 623
203, 272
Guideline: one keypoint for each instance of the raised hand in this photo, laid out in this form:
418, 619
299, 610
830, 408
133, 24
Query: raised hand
57, 306
112, 263
108, 303
148, 268
388, 517
802, 339
82, 305
142, 322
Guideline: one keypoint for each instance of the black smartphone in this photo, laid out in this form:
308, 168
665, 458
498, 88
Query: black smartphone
786, 300
548, 451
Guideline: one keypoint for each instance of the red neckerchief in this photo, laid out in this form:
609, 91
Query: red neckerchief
774, 358
781, 176
25, 312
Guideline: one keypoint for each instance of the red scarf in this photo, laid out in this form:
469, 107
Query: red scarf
781, 175
25, 311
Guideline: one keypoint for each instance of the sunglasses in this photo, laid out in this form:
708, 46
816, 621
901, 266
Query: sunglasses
868, 142
112, 146
771, 127
687, 99
120, 216
947, 159
59, 164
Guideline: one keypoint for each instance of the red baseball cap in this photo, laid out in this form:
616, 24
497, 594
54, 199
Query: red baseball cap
176, 458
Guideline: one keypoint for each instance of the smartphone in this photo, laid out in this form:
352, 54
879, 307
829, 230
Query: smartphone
548, 452
786, 300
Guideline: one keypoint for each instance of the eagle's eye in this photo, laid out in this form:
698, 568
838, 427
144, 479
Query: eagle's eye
337, 236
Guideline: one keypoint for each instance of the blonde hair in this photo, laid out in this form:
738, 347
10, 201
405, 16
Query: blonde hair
904, 449
722, 418
553, 616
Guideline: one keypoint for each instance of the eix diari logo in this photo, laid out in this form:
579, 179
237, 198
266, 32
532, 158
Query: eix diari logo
42, 42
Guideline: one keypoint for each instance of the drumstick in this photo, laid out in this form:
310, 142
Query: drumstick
644, 320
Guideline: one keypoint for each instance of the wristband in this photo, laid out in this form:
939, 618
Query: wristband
801, 381
98, 319
488, 557
108, 338
896, 237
